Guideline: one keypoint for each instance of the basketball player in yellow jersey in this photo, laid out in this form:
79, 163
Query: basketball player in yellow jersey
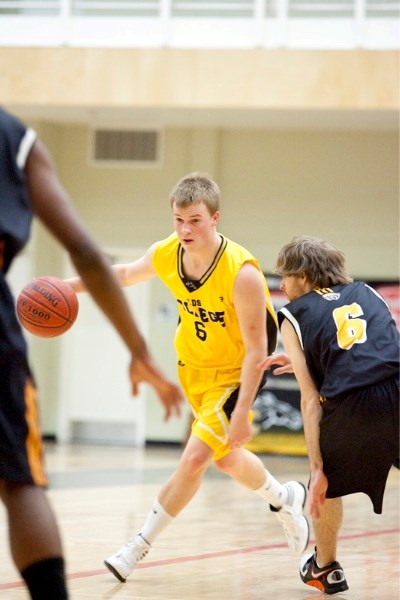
226, 322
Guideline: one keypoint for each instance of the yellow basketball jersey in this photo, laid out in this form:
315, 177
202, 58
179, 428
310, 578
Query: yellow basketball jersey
208, 333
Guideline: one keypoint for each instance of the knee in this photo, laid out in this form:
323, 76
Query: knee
7, 490
194, 462
2, 489
224, 464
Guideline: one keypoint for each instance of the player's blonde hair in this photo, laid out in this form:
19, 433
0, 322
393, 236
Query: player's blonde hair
321, 262
194, 188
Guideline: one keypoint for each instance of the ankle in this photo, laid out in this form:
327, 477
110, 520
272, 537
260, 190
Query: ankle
46, 579
323, 560
272, 491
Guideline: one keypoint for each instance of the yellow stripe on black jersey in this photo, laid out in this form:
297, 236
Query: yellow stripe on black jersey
322, 291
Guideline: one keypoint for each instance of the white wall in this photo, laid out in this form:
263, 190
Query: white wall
342, 185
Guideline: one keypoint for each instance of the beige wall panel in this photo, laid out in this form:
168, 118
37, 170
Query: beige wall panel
342, 186
339, 185
256, 78
124, 206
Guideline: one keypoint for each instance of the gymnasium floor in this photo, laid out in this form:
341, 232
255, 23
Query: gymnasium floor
225, 545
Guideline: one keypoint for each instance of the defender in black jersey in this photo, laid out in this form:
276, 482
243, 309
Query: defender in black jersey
29, 185
343, 347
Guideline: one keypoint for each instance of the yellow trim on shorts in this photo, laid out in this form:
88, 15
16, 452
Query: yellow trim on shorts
207, 391
33, 444
222, 418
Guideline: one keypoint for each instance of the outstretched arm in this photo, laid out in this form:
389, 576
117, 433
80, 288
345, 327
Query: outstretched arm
127, 274
312, 413
53, 207
249, 302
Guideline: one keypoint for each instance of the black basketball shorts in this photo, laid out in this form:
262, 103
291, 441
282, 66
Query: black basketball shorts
21, 449
359, 440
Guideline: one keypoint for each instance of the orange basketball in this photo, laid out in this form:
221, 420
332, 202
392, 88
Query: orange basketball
47, 307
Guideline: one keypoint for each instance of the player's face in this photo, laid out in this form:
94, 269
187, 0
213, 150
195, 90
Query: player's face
294, 286
194, 225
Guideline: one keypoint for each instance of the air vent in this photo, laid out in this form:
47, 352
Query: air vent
121, 147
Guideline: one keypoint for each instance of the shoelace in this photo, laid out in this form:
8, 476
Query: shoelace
140, 550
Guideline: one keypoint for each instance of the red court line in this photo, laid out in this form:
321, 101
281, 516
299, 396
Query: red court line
205, 556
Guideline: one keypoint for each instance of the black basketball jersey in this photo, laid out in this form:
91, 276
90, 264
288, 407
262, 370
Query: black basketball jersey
16, 141
348, 336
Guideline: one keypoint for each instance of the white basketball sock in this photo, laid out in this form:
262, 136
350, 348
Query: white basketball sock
157, 520
272, 491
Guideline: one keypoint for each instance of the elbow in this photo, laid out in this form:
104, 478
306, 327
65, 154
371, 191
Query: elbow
89, 257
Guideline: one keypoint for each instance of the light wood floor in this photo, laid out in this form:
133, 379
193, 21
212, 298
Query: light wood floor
226, 545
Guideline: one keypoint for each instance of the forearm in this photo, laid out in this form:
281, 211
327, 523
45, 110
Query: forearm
250, 380
100, 281
312, 413
78, 283
240, 431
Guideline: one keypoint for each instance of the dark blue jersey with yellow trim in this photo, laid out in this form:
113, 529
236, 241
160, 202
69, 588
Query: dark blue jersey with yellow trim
348, 336
16, 141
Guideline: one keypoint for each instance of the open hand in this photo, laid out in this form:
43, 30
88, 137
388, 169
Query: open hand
277, 359
169, 394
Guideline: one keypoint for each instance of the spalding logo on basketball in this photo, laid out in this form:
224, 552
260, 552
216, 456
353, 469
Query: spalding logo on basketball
47, 307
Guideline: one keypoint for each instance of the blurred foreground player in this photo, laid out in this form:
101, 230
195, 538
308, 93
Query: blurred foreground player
29, 186
343, 347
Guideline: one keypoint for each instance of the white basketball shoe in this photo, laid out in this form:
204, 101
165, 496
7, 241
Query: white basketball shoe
290, 515
122, 563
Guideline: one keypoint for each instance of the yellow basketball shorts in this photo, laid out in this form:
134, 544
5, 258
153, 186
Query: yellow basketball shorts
212, 395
